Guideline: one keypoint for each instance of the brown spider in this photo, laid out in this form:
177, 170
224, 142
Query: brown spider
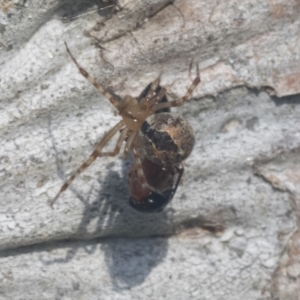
158, 140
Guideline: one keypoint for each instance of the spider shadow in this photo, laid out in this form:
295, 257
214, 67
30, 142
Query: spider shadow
128, 260
107, 210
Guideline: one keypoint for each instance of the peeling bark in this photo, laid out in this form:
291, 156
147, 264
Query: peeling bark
231, 231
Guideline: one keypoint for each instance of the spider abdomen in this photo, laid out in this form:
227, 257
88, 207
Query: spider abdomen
143, 198
166, 139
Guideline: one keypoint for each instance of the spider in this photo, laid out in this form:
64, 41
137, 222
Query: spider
158, 140
165, 178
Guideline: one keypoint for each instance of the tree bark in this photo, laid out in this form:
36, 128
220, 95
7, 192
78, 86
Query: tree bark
232, 229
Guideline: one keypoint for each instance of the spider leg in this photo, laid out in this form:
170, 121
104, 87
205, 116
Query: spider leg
158, 97
150, 94
112, 98
180, 101
118, 145
180, 173
129, 142
97, 152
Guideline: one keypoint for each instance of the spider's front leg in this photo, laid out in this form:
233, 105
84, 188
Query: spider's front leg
180, 101
97, 153
154, 95
150, 94
114, 99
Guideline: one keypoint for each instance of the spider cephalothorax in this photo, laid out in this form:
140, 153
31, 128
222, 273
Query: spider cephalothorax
146, 120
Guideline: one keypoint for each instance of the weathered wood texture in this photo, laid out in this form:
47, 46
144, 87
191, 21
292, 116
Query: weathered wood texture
231, 232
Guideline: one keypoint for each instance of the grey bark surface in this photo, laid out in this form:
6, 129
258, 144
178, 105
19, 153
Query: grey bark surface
232, 229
